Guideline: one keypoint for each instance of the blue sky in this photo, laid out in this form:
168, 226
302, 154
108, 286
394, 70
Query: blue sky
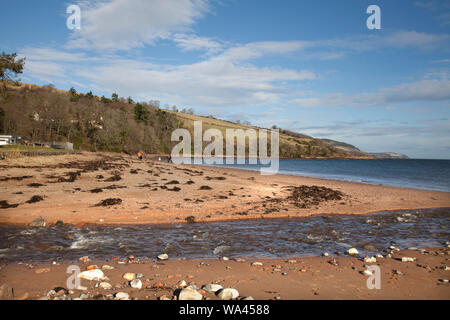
308, 66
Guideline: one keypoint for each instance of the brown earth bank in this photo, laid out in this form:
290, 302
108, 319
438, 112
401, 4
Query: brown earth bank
338, 277
108, 188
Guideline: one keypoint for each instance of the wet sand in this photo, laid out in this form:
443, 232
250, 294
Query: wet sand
73, 189
286, 279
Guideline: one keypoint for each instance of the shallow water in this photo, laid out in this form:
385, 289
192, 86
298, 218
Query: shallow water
266, 238
409, 173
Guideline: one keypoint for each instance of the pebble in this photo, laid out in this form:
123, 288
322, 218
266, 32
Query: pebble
122, 296
42, 270
284, 274
443, 280
398, 272
105, 285
257, 264
408, 259
90, 275
352, 251
248, 298
370, 259
139, 276
107, 267
192, 286
446, 268
39, 222
228, 294
84, 259
136, 284
129, 276
189, 294
225, 258
212, 287
325, 254
367, 273
163, 256
182, 284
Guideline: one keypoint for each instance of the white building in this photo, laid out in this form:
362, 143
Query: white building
7, 140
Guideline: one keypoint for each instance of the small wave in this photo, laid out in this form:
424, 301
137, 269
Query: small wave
86, 242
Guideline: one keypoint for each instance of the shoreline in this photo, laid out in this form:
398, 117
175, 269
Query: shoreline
218, 220
72, 188
331, 277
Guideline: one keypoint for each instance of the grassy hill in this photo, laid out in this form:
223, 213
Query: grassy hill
44, 113
292, 144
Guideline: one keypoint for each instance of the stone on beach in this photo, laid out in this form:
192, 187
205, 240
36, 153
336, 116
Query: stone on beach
39, 222
84, 259
90, 275
212, 287
163, 256
129, 276
228, 294
352, 251
107, 267
105, 285
122, 296
182, 284
136, 284
189, 294
370, 259
408, 259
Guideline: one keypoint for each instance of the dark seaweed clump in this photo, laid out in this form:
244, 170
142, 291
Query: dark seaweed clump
5, 205
109, 202
305, 196
35, 199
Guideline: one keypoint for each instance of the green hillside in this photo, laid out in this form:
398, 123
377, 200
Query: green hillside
44, 113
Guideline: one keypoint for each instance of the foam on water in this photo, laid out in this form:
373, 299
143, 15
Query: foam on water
271, 238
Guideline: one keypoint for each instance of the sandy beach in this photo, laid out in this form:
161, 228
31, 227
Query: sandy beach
94, 188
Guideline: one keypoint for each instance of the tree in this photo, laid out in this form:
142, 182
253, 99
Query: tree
74, 97
130, 100
105, 100
10, 67
2, 116
90, 95
140, 113
115, 97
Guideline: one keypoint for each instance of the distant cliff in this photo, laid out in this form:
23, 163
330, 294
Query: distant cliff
354, 151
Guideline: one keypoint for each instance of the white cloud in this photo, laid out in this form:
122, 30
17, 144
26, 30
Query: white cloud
127, 24
191, 42
425, 90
